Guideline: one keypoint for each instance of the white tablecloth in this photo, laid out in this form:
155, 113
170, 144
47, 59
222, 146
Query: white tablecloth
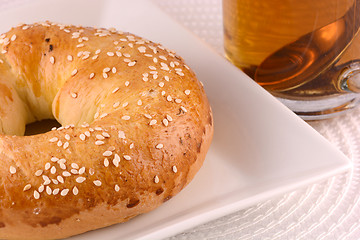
326, 210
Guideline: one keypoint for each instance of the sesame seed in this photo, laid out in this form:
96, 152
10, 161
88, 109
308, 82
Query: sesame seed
13, 37
139, 102
60, 179
115, 90
105, 134
48, 190
106, 162
169, 98
45, 178
36, 194
66, 145
161, 84
155, 60
80, 45
27, 187
80, 179
119, 54
103, 115
64, 192
87, 133
130, 64
187, 92
59, 143
127, 157
117, 188
116, 160
92, 75
74, 165
125, 118
165, 122
47, 166
56, 191
74, 171
97, 183
121, 134
148, 116
169, 118
91, 171
163, 58
73, 95
53, 170
96, 115
97, 51
105, 75
95, 57
166, 78
159, 146
82, 137
152, 122
52, 60
107, 153
115, 105
99, 143
156, 179
41, 188
67, 137
86, 56
125, 104
66, 174
180, 73
183, 108
148, 55
127, 83
82, 170
107, 69
162, 93
113, 70
110, 54
74, 72
142, 49
55, 181
38, 173
75, 191
62, 166
54, 139
100, 137
152, 67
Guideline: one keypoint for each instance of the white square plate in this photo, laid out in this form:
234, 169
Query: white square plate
260, 148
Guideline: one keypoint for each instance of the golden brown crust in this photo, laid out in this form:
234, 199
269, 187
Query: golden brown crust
136, 129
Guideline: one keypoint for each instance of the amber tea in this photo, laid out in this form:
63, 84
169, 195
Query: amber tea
297, 50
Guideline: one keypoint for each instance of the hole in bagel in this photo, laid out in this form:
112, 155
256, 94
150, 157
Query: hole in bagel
42, 126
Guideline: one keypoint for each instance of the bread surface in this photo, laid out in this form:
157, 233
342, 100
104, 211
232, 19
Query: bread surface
136, 126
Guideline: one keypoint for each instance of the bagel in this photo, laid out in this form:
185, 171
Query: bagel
135, 128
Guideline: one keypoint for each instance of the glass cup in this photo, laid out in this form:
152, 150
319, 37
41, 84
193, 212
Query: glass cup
304, 52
